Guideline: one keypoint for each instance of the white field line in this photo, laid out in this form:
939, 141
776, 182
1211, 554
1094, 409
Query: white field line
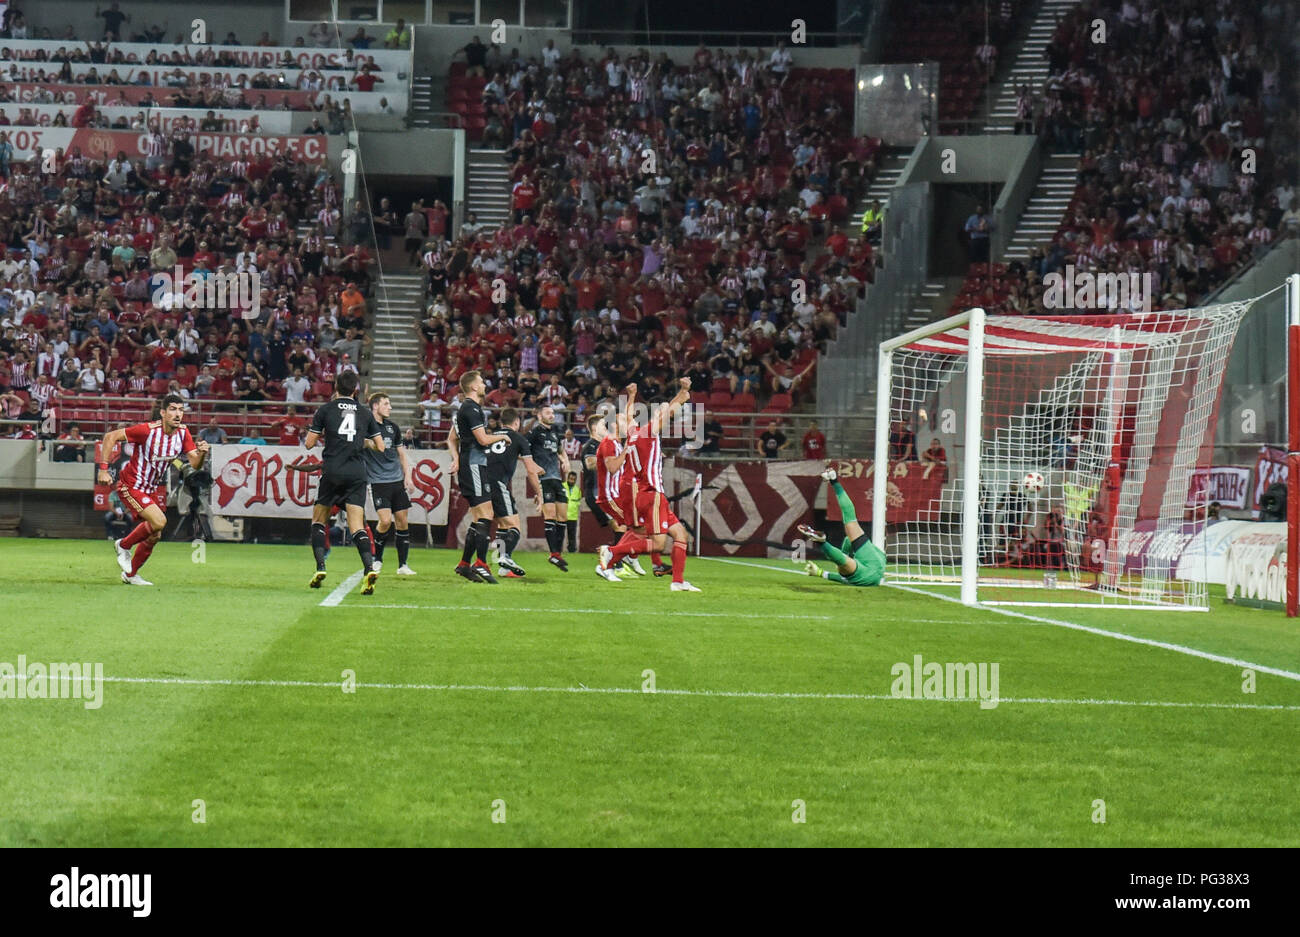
778, 569
634, 691
1119, 636
1074, 626
341, 590
670, 613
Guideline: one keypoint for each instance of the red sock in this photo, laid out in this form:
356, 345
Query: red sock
657, 558
679, 560
140, 556
631, 545
138, 535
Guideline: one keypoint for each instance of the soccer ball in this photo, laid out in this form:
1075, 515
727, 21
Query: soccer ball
1032, 483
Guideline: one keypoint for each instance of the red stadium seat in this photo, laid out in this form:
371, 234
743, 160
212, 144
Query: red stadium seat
779, 403
744, 402
322, 389
158, 385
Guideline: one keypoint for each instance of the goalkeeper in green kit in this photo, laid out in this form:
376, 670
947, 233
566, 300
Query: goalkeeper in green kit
859, 561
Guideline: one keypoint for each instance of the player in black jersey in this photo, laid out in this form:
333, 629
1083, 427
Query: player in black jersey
389, 474
546, 440
503, 458
469, 441
348, 429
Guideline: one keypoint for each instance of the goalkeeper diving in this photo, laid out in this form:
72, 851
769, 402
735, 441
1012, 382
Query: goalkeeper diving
859, 562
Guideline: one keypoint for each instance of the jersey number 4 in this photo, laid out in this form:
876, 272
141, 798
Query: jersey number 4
348, 427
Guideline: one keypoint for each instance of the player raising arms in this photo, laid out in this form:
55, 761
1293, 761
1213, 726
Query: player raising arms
610, 466
597, 431
468, 441
643, 495
142, 482
389, 474
348, 429
546, 442
503, 458
860, 562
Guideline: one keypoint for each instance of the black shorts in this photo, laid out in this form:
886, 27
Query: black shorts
601, 517
474, 482
553, 491
503, 499
341, 491
390, 496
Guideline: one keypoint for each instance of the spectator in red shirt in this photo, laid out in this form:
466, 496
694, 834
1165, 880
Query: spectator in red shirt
289, 427
814, 443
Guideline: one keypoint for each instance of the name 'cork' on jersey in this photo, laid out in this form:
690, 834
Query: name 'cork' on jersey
469, 418
504, 454
545, 442
382, 467
345, 425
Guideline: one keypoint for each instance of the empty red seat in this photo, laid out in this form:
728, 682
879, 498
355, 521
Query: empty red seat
779, 403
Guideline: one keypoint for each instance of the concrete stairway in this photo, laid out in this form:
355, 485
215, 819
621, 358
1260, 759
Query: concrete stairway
487, 186
395, 368
1046, 206
428, 95
889, 169
1027, 65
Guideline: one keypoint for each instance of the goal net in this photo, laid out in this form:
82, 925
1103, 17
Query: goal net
1069, 446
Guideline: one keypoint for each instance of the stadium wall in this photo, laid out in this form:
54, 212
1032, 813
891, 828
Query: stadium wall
248, 19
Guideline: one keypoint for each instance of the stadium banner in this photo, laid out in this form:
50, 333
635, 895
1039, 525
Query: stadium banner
252, 481
159, 74
260, 99
1255, 567
912, 489
105, 144
273, 122
1205, 557
1227, 484
262, 57
1143, 548
1270, 470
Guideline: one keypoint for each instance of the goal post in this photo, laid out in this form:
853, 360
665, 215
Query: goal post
1293, 445
1069, 443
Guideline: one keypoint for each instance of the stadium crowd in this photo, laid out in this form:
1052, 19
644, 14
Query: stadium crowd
1186, 121
667, 220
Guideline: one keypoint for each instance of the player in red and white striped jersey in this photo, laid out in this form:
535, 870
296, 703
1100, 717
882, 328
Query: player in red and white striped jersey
609, 465
649, 516
142, 482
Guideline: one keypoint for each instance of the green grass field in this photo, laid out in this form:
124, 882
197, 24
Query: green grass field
526, 699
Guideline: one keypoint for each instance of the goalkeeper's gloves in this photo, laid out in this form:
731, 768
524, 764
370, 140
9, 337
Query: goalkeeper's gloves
812, 569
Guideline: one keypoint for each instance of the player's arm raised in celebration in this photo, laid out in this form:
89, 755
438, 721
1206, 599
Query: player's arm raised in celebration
111, 439
683, 394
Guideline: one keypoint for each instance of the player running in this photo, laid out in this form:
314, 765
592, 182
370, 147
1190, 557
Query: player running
503, 458
389, 474
348, 429
859, 562
546, 442
469, 441
141, 484
643, 500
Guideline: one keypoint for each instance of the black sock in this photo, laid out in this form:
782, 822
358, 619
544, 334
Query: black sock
471, 543
361, 540
318, 544
484, 525
381, 540
511, 540
555, 536
403, 546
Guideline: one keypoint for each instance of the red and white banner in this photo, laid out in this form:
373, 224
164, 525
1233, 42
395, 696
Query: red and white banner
911, 492
1227, 484
273, 122
261, 57
105, 144
363, 102
1270, 470
252, 481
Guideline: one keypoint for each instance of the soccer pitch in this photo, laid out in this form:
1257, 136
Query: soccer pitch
519, 714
